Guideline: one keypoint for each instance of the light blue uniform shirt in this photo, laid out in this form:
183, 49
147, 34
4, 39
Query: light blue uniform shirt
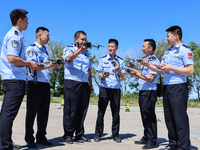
37, 53
77, 70
113, 81
177, 56
12, 45
145, 85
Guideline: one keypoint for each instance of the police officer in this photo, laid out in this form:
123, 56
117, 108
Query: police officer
13, 74
178, 62
77, 88
109, 90
38, 90
148, 95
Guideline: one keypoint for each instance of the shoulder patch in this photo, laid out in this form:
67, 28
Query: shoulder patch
30, 53
103, 56
69, 46
120, 58
67, 50
16, 33
32, 45
185, 46
15, 43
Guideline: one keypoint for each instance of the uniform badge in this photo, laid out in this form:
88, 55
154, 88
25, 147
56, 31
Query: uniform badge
67, 51
15, 43
106, 62
30, 53
177, 51
190, 55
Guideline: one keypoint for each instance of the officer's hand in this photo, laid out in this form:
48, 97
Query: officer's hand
91, 88
131, 66
51, 65
144, 62
116, 69
33, 65
133, 71
166, 67
103, 75
83, 48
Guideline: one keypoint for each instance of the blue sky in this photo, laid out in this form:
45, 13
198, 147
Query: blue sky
128, 21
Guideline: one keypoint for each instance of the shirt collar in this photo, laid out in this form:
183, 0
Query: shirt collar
176, 46
111, 58
151, 55
20, 34
38, 45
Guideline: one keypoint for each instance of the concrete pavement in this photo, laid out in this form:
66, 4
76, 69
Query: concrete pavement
130, 129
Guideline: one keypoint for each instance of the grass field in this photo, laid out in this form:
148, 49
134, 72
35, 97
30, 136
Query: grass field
132, 101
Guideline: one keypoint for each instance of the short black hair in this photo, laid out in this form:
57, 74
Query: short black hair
16, 14
113, 41
175, 30
151, 42
78, 33
41, 28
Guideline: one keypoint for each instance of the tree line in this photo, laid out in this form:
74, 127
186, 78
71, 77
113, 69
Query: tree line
57, 73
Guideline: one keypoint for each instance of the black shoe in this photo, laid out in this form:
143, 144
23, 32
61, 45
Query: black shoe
148, 146
97, 138
168, 148
142, 141
82, 139
31, 144
15, 147
44, 142
117, 139
69, 140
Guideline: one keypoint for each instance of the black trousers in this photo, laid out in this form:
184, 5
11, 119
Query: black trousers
147, 100
76, 101
14, 91
114, 95
175, 99
38, 101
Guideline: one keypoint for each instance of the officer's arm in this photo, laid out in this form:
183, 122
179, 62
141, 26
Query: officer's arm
119, 72
148, 78
17, 61
43, 67
73, 55
187, 70
90, 80
153, 68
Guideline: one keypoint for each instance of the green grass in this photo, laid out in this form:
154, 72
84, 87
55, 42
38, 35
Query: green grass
132, 101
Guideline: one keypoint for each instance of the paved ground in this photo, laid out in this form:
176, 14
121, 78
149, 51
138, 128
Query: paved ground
130, 129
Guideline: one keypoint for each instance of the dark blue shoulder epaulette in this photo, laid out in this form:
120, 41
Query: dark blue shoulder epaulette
70, 46
103, 56
185, 46
16, 33
32, 45
120, 58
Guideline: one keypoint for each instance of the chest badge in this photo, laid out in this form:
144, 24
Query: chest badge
106, 62
177, 51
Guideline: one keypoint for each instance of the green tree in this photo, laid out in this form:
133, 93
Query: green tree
195, 78
127, 77
56, 73
94, 63
161, 48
